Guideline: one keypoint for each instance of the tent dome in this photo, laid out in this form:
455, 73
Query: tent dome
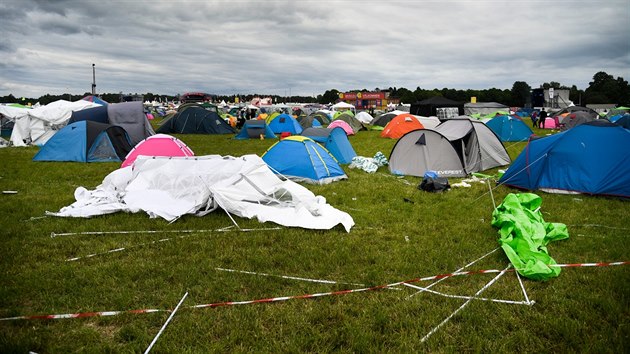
509, 128
196, 120
86, 141
303, 160
158, 145
284, 123
454, 148
592, 158
400, 125
334, 140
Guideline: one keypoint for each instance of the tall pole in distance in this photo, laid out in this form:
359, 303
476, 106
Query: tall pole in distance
93, 80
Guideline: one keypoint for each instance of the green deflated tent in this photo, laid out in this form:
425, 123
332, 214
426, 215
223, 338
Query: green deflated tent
524, 235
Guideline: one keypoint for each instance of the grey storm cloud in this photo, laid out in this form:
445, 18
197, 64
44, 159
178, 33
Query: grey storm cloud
306, 47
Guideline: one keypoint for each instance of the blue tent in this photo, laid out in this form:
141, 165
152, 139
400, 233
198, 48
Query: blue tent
86, 141
95, 99
334, 140
254, 128
591, 158
623, 121
285, 123
509, 128
303, 160
95, 114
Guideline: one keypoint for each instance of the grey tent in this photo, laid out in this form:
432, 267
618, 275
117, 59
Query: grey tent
455, 148
130, 116
484, 108
308, 121
574, 109
354, 123
385, 118
577, 118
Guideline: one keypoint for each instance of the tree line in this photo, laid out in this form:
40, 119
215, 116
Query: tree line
603, 89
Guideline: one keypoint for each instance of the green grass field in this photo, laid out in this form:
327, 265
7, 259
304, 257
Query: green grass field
401, 233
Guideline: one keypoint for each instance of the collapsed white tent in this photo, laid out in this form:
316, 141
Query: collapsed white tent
364, 117
41, 123
170, 187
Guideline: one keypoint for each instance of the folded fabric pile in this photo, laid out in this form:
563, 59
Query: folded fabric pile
369, 164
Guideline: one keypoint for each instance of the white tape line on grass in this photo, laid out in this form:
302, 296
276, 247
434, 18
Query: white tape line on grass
161, 240
287, 277
165, 324
518, 276
469, 297
223, 229
464, 304
457, 271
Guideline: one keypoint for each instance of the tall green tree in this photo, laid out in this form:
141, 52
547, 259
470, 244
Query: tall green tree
521, 93
330, 96
606, 89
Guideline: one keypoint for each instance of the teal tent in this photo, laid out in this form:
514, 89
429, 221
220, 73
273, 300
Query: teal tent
303, 160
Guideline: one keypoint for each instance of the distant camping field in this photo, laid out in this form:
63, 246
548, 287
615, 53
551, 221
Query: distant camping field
111, 283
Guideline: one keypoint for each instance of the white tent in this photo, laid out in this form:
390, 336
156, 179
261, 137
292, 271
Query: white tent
428, 122
342, 106
170, 187
364, 117
13, 113
41, 123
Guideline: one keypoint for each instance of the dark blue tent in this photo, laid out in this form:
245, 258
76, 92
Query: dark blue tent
509, 128
95, 114
196, 120
254, 128
591, 158
624, 121
86, 141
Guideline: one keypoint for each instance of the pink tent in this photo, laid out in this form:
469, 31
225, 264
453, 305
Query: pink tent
158, 145
550, 123
343, 125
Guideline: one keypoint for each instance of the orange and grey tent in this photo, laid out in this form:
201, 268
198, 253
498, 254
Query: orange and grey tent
401, 125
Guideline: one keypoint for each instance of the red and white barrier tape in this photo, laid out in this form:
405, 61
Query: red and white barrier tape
80, 315
306, 296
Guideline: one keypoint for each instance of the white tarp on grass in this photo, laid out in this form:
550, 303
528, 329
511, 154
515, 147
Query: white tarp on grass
172, 187
41, 123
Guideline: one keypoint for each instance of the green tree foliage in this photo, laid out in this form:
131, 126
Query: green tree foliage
8, 99
521, 93
495, 95
330, 96
606, 89
553, 84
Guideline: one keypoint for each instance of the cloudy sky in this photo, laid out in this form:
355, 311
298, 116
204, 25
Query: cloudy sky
306, 47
